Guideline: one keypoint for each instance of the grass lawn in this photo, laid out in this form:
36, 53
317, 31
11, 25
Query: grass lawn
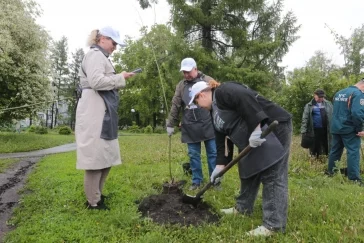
321, 209
23, 142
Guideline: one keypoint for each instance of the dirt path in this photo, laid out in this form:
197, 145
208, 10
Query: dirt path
14, 178
10, 183
39, 153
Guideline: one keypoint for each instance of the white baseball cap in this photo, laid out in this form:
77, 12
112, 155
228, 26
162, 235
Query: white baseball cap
113, 34
196, 89
188, 64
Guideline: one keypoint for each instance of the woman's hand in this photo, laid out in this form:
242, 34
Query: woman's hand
217, 170
127, 75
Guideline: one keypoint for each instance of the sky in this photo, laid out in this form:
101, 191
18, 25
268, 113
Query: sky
75, 19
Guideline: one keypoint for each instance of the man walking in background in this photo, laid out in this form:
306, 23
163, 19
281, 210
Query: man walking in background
196, 125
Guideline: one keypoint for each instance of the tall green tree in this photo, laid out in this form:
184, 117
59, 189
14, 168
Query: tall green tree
319, 72
24, 67
74, 68
241, 40
150, 92
352, 49
60, 71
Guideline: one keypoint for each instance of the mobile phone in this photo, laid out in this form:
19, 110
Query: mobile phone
138, 70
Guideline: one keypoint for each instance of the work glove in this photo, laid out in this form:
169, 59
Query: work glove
217, 170
170, 131
255, 140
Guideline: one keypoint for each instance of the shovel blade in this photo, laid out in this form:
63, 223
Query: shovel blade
191, 199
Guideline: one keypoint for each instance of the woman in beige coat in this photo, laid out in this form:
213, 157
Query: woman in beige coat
96, 115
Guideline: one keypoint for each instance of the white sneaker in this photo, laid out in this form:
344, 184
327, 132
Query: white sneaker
260, 231
229, 210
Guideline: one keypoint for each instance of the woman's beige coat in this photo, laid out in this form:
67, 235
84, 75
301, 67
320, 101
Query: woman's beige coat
93, 152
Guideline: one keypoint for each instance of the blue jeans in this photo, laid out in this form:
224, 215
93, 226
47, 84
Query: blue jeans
194, 152
275, 186
352, 144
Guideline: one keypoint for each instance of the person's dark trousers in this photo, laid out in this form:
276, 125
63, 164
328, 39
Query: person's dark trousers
352, 143
275, 186
320, 145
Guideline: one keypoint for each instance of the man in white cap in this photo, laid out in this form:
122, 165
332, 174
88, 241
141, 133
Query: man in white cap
196, 125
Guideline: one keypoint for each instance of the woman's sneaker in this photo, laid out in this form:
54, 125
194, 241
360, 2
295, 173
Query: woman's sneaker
260, 231
100, 206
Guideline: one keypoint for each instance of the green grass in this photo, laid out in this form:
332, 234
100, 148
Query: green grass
321, 209
6, 163
23, 142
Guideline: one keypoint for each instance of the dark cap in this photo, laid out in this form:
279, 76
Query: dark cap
320, 93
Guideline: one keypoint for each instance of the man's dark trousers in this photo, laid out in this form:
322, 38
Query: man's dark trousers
352, 143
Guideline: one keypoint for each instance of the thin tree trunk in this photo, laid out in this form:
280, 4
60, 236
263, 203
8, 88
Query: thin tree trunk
46, 123
52, 115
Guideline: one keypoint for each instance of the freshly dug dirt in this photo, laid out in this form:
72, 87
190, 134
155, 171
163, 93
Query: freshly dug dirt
168, 208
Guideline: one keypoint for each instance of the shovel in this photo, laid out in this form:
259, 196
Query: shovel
195, 200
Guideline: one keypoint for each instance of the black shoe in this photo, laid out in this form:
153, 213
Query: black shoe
103, 198
100, 206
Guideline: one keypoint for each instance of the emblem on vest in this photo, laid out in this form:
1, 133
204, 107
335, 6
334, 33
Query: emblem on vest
361, 101
218, 122
341, 97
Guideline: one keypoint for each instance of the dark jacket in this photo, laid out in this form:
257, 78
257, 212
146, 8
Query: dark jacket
196, 125
251, 106
237, 111
307, 122
348, 113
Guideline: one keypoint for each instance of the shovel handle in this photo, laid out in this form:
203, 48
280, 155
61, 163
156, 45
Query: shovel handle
245, 151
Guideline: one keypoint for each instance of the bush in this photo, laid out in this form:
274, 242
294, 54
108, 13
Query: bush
7, 128
41, 130
134, 128
65, 130
32, 128
148, 129
159, 129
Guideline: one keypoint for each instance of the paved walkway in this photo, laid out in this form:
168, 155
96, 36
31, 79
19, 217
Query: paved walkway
39, 153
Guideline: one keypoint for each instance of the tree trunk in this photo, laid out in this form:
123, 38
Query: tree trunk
137, 118
207, 29
154, 120
52, 115
46, 122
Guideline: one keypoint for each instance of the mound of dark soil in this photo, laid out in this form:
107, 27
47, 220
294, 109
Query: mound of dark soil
169, 209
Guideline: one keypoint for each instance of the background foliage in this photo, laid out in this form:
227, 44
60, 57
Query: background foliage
231, 40
24, 67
